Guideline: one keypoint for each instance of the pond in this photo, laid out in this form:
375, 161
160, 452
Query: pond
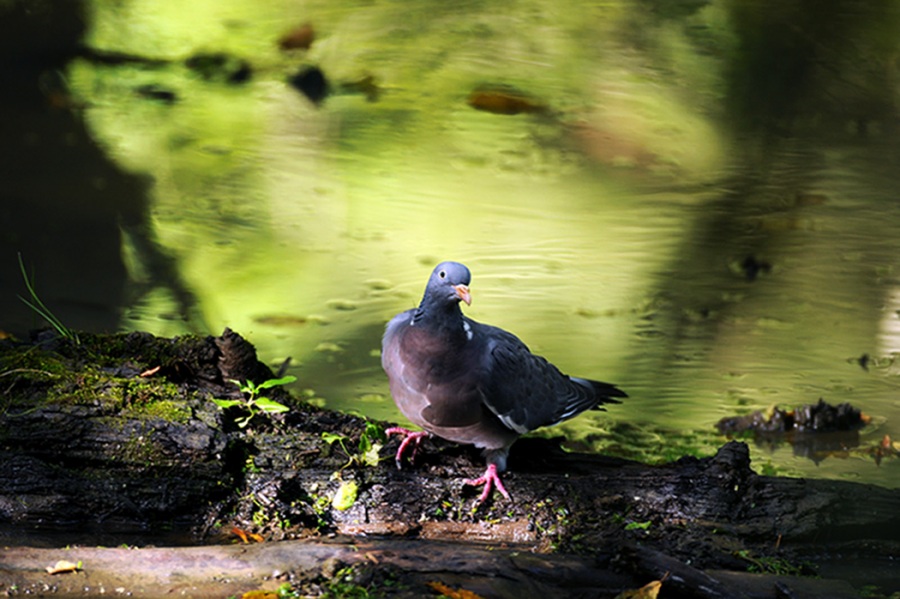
667, 199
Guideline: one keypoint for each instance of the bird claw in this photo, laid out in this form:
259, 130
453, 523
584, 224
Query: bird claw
488, 479
414, 437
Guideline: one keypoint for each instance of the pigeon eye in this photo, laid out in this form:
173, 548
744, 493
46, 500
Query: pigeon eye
442, 274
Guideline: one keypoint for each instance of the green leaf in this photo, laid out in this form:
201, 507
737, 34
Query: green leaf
370, 457
346, 495
638, 525
240, 385
40, 309
330, 438
365, 443
228, 403
267, 405
374, 431
285, 380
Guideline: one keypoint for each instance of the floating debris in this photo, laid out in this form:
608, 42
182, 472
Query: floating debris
220, 66
815, 431
885, 449
378, 284
152, 91
298, 38
311, 82
366, 85
342, 304
821, 417
281, 320
752, 267
504, 102
329, 347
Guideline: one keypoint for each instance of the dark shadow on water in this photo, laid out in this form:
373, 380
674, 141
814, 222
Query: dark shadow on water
63, 204
796, 88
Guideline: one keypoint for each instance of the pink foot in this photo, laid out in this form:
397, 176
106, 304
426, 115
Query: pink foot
414, 437
490, 477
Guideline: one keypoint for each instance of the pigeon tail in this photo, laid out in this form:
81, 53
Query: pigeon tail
603, 392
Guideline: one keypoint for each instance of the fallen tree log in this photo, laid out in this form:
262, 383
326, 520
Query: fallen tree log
116, 439
349, 567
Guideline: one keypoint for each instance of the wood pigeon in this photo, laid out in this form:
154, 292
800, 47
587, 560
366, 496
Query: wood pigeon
472, 383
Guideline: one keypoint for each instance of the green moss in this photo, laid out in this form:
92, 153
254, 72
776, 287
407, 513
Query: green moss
37, 377
775, 565
640, 441
153, 398
170, 411
31, 360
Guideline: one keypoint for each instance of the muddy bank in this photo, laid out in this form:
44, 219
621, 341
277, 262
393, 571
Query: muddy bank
116, 439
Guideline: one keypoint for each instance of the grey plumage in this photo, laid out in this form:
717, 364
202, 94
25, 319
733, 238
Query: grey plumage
473, 383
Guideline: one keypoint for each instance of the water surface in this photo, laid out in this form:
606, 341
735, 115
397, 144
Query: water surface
638, 227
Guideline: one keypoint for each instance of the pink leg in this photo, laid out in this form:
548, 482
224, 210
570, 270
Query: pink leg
490, 477
414, 437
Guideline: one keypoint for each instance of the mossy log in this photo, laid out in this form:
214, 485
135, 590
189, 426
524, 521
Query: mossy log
117, 435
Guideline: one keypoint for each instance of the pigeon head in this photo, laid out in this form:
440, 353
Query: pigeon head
448, 285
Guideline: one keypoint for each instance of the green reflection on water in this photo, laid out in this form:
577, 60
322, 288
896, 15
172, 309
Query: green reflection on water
607, 231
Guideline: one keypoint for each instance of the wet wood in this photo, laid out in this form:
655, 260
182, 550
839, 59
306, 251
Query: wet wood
221, 571
115, 439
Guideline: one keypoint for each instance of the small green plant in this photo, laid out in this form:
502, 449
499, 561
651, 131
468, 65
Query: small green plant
254, 403
638, 525
344, 585
773, 565
285, 591
320, 505
40, 309
370, 443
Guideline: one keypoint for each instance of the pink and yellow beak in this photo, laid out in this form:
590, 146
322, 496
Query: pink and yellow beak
463, 292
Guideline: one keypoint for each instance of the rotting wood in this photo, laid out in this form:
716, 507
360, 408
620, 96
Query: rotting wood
90, 447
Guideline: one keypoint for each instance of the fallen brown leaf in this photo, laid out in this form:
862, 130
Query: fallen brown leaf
63, 567
648, 591
259, 595
446, 591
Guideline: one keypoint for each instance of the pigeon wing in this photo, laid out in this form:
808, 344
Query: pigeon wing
524, 390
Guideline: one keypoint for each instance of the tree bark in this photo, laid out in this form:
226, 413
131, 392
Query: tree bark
97, 445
